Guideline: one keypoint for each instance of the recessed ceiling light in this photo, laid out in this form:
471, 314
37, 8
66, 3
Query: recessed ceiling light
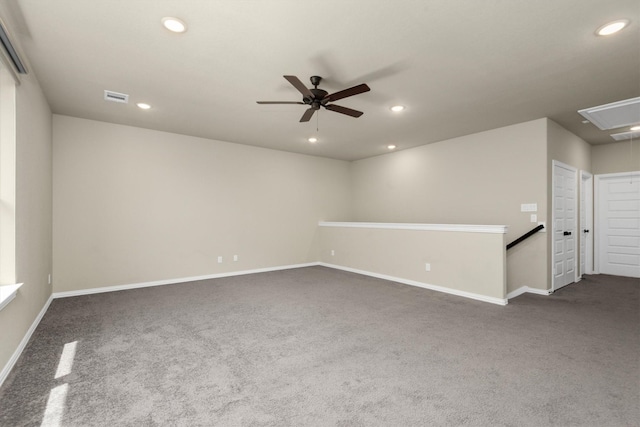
174, 24
635, 128
391, 147
313, 140
143, 106
612, 27
397, 108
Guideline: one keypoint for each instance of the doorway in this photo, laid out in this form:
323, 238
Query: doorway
618, 221
564, 206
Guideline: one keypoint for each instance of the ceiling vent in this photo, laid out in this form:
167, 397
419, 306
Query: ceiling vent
614, 115
626, 135
109, 95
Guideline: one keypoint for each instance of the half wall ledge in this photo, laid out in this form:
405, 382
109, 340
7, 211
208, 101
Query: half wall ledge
460, 259
469, 228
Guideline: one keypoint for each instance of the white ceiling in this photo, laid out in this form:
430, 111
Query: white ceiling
460, 66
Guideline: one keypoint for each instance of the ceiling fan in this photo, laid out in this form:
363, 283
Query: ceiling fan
316, 98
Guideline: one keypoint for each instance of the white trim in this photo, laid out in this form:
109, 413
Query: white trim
517, 292
588, 262
16, 354
536, 291
469, 228
596, 220
8, 293
527, 290
478, 297
175, 281
617, 174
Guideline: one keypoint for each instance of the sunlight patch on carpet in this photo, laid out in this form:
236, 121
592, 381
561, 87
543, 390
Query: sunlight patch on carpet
55, 406
66, 359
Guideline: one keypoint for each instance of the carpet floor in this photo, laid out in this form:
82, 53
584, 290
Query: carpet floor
321, 347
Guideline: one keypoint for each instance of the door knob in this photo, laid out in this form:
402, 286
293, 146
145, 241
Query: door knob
567, 233
586, 231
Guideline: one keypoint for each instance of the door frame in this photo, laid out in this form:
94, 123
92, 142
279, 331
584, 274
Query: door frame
596, 212
588, 201
576, 248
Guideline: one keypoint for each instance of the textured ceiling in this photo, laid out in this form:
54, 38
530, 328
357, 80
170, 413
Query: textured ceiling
460, 67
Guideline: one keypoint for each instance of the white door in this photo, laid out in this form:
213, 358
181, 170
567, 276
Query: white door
619, 224
564, 201
586, 223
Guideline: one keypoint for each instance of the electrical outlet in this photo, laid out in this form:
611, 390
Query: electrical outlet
534, 218
427, 267
544, 224
235, 257
49, 279
333, 252
219, 260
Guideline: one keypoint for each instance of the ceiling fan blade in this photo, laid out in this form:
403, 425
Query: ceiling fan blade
299, 85
279, 102
307, 115
347, 92
344, 110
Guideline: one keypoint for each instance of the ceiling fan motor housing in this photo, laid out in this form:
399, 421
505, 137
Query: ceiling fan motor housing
318, 96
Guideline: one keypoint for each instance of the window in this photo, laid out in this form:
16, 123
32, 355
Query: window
8, 286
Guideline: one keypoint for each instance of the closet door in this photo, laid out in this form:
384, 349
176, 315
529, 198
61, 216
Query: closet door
618, 210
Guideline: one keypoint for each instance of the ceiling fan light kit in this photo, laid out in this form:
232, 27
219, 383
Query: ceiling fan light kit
316, 98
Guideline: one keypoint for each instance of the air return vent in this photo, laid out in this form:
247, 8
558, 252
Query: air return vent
614, 115
626, 135
116, 97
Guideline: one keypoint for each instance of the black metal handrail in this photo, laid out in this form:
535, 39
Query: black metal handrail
525, 236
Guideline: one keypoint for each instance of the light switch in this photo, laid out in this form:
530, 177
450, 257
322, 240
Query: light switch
534, 218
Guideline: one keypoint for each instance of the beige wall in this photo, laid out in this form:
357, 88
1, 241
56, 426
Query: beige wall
567, 148
616, 157
472, 263
33, 216
476, 179
134, 205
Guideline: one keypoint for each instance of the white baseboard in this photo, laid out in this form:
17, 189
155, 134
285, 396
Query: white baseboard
174, 281
545, 292
478, 297
527, 289
16, 354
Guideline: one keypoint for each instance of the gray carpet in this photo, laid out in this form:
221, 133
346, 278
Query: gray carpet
321, 347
